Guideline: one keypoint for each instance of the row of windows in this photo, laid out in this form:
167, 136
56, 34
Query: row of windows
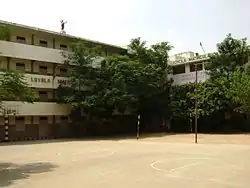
42, 95
45, 43
41, 118
180, 69
43, 69
42, 43
20, 121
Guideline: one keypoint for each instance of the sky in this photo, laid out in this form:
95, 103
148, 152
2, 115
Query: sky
183, 23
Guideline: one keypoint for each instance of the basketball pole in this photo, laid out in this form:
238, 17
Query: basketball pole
196, 99
138, 128
6, 126
196, 104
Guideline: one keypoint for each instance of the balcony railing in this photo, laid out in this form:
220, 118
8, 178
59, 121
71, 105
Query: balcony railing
30, 52
190, 60
36, 108
185, 78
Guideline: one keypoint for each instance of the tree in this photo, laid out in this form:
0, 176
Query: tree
4, 32
182, 103
136, 82
215, 95
232, 54
13, 87
91, 84
240, 90
154, 60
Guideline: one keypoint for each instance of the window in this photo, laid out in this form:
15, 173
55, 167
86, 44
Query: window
20, 39
20, 123
64, 118
180, 69
43, 118
43, 43
20, 67
43, 69
43, 95
63, 47
192, 67
63, 72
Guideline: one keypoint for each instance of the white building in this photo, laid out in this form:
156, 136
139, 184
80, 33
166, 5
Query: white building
37, 53
183, 66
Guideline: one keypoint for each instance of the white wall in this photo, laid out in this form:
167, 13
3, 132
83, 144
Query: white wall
189, 77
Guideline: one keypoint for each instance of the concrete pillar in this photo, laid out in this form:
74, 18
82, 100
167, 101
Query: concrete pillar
187, 68
6, 124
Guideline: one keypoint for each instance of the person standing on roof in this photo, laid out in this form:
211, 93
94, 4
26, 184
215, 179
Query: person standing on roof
63, 26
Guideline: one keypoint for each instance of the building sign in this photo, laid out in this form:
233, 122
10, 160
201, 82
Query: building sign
48, 81
40, 80
63, 82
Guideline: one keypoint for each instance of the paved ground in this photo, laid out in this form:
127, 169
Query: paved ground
166, 161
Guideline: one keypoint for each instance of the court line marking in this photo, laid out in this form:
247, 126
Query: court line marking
169, 173
183, 167
153, 165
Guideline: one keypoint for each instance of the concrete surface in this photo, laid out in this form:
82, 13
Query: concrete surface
166, 161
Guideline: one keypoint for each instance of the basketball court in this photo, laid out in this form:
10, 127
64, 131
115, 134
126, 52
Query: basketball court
166, 161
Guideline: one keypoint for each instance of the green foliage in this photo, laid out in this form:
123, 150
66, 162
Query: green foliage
137, 82
240, 90
156, 54
13, 87
129, 82
4, 32
214, 96
182, 101
232, 55
222, 91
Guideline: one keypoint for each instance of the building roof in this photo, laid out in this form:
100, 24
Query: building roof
194, 59
57, 33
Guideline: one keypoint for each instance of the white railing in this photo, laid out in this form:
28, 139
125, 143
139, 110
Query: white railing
194, 59
36, 108
30, 52
184, 78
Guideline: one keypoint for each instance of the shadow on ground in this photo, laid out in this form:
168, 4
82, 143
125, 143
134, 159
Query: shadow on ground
10, 172
31, 142
127, 137
88, 138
